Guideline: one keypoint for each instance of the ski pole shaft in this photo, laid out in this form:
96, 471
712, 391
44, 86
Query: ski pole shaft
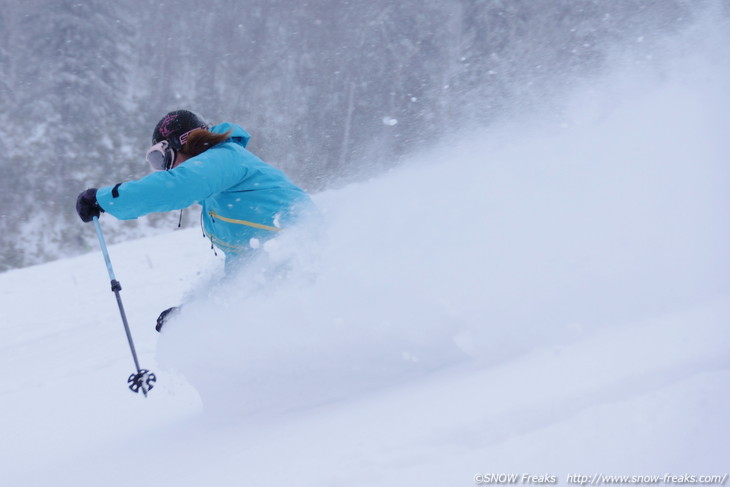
116, 287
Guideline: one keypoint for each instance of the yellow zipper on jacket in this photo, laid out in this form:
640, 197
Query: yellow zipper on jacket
215, 215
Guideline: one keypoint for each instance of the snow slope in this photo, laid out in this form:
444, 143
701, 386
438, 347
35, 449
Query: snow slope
549, 297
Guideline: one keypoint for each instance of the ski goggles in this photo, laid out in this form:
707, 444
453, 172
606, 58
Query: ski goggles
160, 156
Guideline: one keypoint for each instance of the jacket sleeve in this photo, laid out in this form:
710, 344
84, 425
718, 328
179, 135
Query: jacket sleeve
192, 181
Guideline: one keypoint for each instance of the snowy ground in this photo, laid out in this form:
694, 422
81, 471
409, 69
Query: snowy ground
550, 298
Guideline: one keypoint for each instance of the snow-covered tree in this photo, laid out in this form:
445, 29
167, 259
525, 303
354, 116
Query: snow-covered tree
69, 111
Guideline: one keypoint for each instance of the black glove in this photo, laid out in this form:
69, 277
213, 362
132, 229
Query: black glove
165, 316
86, 205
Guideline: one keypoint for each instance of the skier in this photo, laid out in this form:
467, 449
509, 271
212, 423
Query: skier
244, 200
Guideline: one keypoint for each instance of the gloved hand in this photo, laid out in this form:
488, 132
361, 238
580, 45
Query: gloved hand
86, 205
165, 316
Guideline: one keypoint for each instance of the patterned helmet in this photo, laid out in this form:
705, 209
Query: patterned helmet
176, 126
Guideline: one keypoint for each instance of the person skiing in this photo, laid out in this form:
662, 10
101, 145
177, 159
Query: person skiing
244, 200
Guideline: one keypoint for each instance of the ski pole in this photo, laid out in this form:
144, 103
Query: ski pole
143, 380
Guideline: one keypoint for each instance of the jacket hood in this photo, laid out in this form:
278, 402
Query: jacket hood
238, 134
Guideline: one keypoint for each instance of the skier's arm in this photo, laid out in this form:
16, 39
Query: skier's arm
190, 182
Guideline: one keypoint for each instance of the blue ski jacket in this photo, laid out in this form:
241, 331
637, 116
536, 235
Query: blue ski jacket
245, 201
